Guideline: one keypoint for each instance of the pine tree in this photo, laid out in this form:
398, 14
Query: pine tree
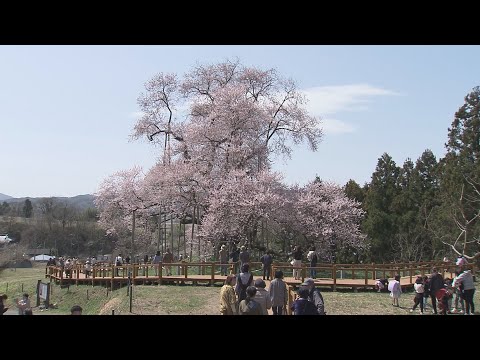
380, 222
457, 222
27, 209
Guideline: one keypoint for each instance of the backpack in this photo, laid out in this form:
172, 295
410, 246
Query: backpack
242, 294
251, 306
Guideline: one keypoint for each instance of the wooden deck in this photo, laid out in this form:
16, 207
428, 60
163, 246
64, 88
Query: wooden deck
352, 276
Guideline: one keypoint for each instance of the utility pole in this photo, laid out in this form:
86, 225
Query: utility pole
133, 235
159, 221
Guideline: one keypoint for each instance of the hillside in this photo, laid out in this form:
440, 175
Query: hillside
81, 202
4, 197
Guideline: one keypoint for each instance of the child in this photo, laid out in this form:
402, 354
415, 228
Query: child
381, 284
419, 290
395, 290
426, 293
458, 295
449, 287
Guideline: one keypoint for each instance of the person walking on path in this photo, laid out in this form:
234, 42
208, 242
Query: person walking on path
262, 296
23, 304
436, 283
278, 294
244, 280
457, 290
3, 304
302, 306
228, 299
395, 290
315, 296
419, 290
466, 280
249, 306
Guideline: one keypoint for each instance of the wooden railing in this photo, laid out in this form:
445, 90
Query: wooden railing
197, 271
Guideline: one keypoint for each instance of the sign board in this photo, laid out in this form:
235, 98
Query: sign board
43, 291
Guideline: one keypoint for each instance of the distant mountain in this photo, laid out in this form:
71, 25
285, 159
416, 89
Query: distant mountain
4, 197
80, 202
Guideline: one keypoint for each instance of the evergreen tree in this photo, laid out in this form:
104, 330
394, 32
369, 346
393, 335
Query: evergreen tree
4, 208
456, 221
27, 209
354, 191
380, 222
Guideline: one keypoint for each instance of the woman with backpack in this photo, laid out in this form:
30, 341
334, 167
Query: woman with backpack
249, 306
244, 280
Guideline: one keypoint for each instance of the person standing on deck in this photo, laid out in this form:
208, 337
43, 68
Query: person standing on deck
244, 256
266, 261
155, 262
297, 262
168, 259
313, 258
223, 256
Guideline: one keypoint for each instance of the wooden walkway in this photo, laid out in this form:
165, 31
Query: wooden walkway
335, 276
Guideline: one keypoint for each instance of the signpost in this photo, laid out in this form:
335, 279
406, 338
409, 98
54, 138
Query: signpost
43, 292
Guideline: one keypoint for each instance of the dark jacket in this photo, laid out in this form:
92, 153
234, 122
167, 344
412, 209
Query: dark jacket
436, 283
316, 298
297, 255
303, 307
244, 257
266, 260
234, 255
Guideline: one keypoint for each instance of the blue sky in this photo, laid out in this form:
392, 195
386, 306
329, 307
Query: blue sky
66, 112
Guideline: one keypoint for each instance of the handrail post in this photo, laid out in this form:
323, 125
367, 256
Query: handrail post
77, 274
160, 273
366, 274
113, 274
334, 270
212, 281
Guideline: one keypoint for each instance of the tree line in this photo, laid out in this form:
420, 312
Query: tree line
429, 208
51, 224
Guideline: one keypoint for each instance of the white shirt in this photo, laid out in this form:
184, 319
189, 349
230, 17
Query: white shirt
419, 288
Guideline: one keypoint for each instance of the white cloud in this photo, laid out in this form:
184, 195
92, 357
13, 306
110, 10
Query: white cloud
329, 100
334, 126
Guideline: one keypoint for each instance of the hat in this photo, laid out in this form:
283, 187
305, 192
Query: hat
308, 281
223, 246
242, 247
259, 283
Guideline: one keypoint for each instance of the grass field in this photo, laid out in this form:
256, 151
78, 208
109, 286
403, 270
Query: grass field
178, 300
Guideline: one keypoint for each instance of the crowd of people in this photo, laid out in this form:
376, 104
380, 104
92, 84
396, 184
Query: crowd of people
241, 294
447, 296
